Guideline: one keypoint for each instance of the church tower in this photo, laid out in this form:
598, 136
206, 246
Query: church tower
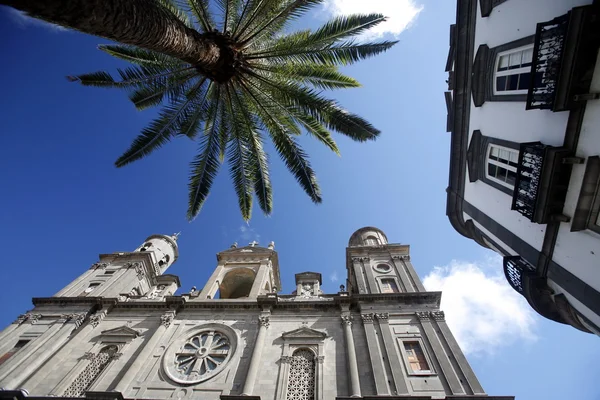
119, 332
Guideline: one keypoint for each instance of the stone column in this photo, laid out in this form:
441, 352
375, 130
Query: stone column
377, 366
413, 274
351, 351
392, 354
463, 364
373, 288
259, 280
360, 280
61, 334
405, 282
165, 321
263, 321
438, 351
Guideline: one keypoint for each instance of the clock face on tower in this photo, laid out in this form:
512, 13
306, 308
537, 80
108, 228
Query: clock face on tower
199, 356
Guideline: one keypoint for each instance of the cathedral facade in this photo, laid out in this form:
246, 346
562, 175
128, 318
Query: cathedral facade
119, 331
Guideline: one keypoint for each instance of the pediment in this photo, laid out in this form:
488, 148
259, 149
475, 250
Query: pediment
304, 333
121, 331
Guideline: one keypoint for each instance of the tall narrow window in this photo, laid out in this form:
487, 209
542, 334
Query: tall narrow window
90, 373
371, 241
513, 71
389, 286
12, 351
502, 165
416, 357
301, 380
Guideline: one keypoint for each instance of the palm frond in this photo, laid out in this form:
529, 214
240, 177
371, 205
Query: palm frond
206, 164
343, 53
140, 56
285, 13
239, 161
200, 9
191, 126
257, 156
153, 94
172, 6
318, 75
160, 130
98, 79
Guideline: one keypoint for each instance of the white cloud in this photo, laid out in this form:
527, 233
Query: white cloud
334, 277
400, 13
248, 234
482, 310
23, 21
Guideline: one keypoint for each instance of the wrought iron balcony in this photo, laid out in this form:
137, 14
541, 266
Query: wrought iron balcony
543, 175
515, 269
547, 58
564, 56
529, 172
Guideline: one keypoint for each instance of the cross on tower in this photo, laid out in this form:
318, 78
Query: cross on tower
253, 243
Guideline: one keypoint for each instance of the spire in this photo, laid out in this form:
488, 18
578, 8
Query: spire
175, 236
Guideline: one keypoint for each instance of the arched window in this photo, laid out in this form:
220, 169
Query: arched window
371, 241
301, 378
90, 373
165, 260
389, 286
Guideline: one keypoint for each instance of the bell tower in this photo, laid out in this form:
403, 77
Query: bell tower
129, 274
244, 272
376, 266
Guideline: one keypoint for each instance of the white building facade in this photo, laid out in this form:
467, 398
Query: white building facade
118, 331
524, 114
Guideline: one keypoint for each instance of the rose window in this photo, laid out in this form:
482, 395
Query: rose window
199, 357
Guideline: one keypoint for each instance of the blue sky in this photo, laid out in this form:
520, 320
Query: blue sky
64, 202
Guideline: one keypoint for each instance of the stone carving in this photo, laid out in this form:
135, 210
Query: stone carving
383, 317
367, 318
77, 319
200, 357
321, 359
97, 364
34, 318
423, 315
263, 320
99, 265
167, 318
95, 319
21, 318
438, 315
301, 380
360, 259
346, 320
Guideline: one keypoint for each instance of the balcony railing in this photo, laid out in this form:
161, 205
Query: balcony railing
527, 185
547, 59
515, 268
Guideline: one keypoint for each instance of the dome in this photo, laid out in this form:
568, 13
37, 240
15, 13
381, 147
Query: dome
368, 236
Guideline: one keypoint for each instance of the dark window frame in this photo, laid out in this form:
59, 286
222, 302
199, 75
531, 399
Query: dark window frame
483, 72
477, 158
486, 6
588, 203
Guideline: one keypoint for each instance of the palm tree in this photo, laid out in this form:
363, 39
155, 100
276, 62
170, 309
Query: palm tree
254, 81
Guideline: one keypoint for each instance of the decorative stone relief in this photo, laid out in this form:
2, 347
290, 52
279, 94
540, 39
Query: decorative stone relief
346, 320
423, 315
167, 318
286, 359
34, 318
321, 359
21, 318
96, 365
438, 315
264, 320
301, 379
95, 319
99, 265
367, 318
199, 357
383, 317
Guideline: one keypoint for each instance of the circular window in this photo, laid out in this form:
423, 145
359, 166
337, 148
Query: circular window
199, 357
383, 268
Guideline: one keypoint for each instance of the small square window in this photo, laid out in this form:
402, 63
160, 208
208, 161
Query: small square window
109, 272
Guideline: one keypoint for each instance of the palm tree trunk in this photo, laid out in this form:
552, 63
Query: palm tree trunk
142, 23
